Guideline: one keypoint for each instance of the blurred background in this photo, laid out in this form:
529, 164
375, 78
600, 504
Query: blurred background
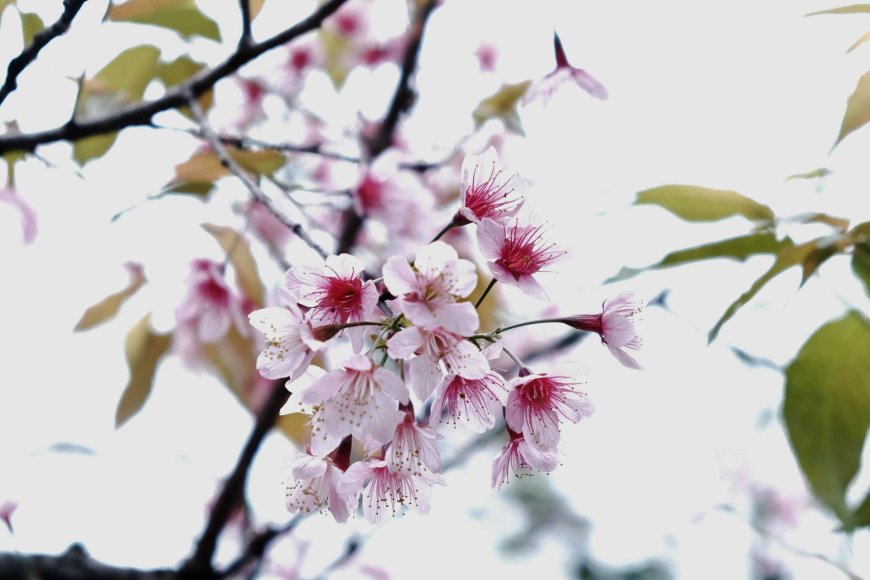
684, 471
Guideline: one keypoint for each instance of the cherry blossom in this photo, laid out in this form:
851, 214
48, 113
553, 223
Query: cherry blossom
428, 292
7, 508
537, 403
335, 293
434, 353
359, 399
386, 491
487, 190
564, 72
209, 308
477, 403
615, 325
413, 448
314, 486
290, 342
522, 459
517, 252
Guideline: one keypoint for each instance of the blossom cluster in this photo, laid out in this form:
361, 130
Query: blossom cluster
420, 358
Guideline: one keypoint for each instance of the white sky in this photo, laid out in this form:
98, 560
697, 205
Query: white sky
734, 95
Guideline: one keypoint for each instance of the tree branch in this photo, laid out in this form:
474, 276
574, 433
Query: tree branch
74, 564
29, 54
256, 192
176, 97
246, 38
403, 98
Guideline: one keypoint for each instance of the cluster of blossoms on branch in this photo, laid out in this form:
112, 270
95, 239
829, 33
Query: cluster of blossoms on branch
420, 359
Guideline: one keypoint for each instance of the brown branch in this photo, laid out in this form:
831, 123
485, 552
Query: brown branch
29, 54
233, 490
403, 98
176, 97
255, 191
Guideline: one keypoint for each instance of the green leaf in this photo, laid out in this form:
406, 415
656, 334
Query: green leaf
239, 254
199, 189
853, 9
814, 174
180, 70
861, 265
108, 307
702, 204
789, 256
738, 248
502, 105
182, 16
89, 148
857, 108
31, 25
205, 166
143, 349
5, 3
861, 516
827, 408
334, 48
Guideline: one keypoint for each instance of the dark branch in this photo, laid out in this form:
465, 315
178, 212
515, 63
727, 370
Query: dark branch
255, 191
29, 54
176, 97
233, 490
403, 98
246, 38
74, 564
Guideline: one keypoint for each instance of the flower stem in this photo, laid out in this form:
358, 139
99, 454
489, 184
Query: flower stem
485, 292
531, 322
446, 229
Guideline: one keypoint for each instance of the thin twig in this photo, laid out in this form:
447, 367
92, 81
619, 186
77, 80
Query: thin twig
256, 547
246, 39
29, 54
252, 187
142, 113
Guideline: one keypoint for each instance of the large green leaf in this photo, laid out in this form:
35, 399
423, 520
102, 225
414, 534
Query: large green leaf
857, 108
789, 256
738, 248
853, 9
143, 349
702, 204
108, 307
182, 16
502, 105
827, 408
861, 265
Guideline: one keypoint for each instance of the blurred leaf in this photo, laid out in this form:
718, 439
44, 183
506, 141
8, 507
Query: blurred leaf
814, 174
701, 204
235, 362
5, 3
264, 162
256, 6
180, 70
861, 516
502, 105
335, 48
859, 42
205, 166
861, 265
827, 408
853, 9
31, 25
143, 349
857, 108
199, 189
294, 426
738, 248
118, 84
838, 223
789, 256
182, 16
239, 254
108, 307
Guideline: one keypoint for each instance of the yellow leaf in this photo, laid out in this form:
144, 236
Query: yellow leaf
256, 6
143, 349
502, 105
182, 16
857, 108
108, 307
853, 9
205, 166
239, 254
860, 41
31, 25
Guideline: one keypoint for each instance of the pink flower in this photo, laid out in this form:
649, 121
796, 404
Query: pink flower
315, 486
290, 344
537, 403
521, 458
486, 56
335, 293
615, 325
434, 353
517, 252
428, 292
488, 191
209, 307
360, 399
7, 508
564, 72
413, 449
475, 402
28, 215
383, 489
